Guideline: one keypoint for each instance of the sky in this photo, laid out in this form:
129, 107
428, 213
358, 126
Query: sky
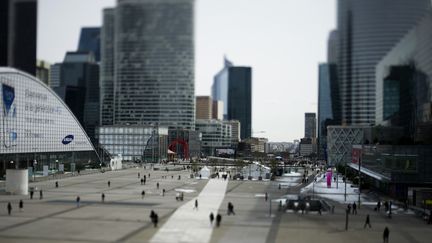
282, 40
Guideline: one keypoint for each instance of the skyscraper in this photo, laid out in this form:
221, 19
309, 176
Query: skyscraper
90, 41
204, 107
107, 68
328, 103
367, 30
153, 63
310, 125
233, 85
332, 47
18, 21
79, 88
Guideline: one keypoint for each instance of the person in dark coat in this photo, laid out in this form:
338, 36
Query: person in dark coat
211, 218
378, 205
31, 193
196, 204
386, 234
218, 220
367, 222
21, 205
142, 181
157, 185
354, 207
56, 184
78, 199
40, 195
9, 208
163, 192
142, 194
103, 197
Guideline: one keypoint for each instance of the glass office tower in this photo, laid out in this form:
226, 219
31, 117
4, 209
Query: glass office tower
368, 29
154, 63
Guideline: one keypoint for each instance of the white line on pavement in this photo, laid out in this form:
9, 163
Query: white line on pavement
190, 225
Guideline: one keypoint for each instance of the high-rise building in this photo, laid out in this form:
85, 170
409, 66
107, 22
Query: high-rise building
107, 68
153, 64
55, 75
18, 22
332, 47
204, 105
217, 109
90, 41
79, 88
404, 85
310, 125
367, 30
43, 71
233, 85
328, 104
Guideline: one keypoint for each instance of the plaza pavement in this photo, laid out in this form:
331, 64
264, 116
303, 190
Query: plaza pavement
124, 217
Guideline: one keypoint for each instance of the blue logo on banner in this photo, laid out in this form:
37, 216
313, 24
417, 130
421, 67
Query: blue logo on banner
68, 139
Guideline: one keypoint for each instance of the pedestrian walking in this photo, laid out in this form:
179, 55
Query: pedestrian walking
430, 218
279, 186
163, 192
354, 207
56, 184
31, 193
378, 205
40, 194
142, 194
9, 208
142, 181
139, 175
367, 222
21, 205
218, 220
157, 185
386, 235
266, 196
211, 218
103, 197
230, 208
154, 218
78, 199
109, 183
196, 204
145, 179
349, 208
149, 175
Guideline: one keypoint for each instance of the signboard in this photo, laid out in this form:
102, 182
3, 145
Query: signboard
32, 115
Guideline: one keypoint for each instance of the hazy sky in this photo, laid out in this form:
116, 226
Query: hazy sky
282, 40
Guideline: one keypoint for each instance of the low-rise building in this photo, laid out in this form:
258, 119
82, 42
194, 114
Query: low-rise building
215, 134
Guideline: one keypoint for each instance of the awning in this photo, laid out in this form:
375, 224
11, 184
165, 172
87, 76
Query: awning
370, 173
171, 152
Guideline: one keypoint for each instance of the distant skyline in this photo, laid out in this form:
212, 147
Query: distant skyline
282, 40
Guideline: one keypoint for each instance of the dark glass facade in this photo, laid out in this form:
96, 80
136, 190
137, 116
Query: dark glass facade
79, 89
18, 22
107, 68
328, 104
240, 99
233, 86
368, 29
90, 41
404, 85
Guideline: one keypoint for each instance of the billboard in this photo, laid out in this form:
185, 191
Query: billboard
34, 119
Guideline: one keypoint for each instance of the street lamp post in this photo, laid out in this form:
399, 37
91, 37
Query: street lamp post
34, 169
